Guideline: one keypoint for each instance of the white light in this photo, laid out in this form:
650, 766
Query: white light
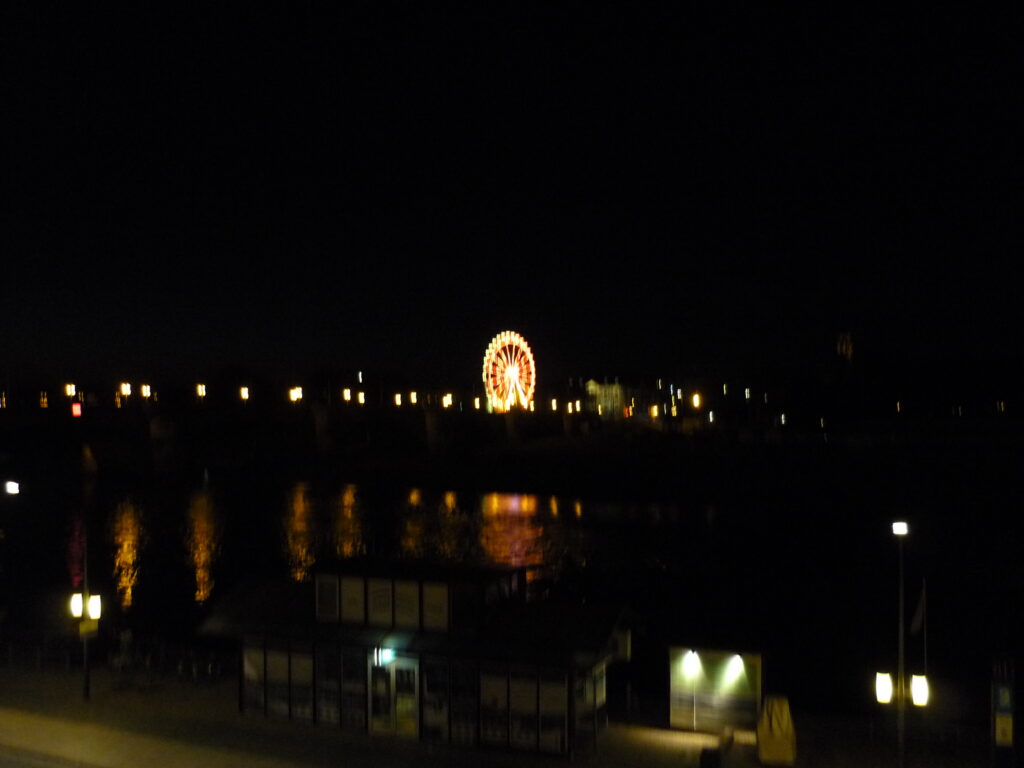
883, 687
383, 656
711, 417
782, 418
734, 670
76, 605
919, 690
94, 606
900, 528
746, 393
359, 376
691, 665
12, 488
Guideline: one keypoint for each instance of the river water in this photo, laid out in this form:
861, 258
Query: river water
799, 567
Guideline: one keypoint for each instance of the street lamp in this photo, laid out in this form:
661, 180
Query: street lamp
900, 529
86, 608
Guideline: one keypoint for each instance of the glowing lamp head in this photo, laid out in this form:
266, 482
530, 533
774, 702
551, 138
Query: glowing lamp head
883, 687
733, 670
919, 690
900, 528
691, 665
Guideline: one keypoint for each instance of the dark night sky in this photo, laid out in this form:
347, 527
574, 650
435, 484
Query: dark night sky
634, 193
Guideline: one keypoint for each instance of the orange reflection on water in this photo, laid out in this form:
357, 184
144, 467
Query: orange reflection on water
202, 541
127, 535
510, 534
348, 528
299, 533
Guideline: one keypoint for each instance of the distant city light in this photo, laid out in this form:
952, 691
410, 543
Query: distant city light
554, 404
900, 528
577, 508
766, 397
412, 398
746, 393
654, 411
200, 390
897, 406
76, 410
447, 400
531, 406
295, 394
76, 605
600, 410
883, 687
734, 670
12, 488
711, 417
509, 373
725, 389
695, 400
126, 389
346, 394
361, 397
69, 390
398, 399
568, 407
578, 409
359, 377
147, 390
93, 606
44, 400
782, 419
244, 393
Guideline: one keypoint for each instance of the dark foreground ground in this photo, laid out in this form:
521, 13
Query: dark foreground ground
143, 721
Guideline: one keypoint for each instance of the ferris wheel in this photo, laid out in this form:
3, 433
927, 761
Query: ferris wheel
510, 375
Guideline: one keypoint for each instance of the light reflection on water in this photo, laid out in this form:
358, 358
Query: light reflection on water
202, 541
300, 533
127, 533
348, 525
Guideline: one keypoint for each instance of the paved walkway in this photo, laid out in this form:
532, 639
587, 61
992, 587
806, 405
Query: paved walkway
139, 723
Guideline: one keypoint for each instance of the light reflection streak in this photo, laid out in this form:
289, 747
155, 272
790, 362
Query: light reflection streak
299, 533
202, 542
348, 527
127, 534
510, 534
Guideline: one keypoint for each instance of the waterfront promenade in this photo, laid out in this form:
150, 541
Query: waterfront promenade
139, 722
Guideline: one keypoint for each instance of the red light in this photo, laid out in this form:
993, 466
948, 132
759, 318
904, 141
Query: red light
76, 410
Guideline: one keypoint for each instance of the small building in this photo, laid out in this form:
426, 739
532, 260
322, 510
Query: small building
713, 690
409, 650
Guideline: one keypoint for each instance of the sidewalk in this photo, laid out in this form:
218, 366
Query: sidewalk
167, 722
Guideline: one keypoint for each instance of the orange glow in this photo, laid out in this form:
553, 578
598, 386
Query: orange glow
127, 534
510, 534
553, 506
299, 533
348, 527
202, 541
44, 400
450, 501
510, 374
76, 410
577, 508
411, 542
415, 497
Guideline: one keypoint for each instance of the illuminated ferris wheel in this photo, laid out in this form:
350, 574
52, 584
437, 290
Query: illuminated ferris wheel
510, 375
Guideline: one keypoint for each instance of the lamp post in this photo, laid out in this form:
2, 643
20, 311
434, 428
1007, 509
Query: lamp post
86, 608
900, 530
